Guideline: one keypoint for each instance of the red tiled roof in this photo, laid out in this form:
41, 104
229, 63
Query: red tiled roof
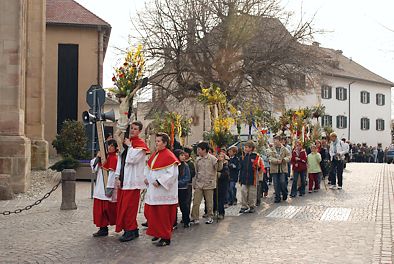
71, 13
347, 68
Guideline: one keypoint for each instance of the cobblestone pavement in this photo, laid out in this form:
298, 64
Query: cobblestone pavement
353, 225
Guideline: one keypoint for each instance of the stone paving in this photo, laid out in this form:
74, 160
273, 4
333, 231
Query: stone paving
353, 225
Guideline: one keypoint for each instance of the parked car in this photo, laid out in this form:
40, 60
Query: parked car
390, 156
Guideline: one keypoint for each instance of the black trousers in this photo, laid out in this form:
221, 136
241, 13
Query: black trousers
220, 196
336, 172
262, 188
184, 205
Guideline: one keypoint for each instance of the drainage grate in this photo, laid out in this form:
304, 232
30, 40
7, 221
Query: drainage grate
287, 212
336, 214
316, 213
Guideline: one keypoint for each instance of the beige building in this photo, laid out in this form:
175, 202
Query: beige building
51, 51
76, 41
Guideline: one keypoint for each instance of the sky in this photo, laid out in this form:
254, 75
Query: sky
362, 29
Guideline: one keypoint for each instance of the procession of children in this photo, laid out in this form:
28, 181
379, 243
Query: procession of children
171, 178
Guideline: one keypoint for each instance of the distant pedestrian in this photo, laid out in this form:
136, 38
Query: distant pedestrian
221, 190
314, 169
190, 163
263, 181
234, 167
347, 155
298, 160
279, 157
337, 154
183, 191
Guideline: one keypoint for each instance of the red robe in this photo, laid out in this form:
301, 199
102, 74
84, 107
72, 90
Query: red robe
128, 200
139, 143
104, 212
161, 217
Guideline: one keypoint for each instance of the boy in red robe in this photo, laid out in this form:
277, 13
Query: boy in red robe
130, 178
161, 198
104, 203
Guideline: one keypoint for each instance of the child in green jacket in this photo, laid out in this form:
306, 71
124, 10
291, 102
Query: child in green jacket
314, 168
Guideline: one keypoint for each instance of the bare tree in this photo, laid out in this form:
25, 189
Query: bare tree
242, 46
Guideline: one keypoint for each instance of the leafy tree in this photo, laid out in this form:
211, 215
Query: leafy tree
242, 46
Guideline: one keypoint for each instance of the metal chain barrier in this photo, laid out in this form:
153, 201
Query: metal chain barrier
28, 207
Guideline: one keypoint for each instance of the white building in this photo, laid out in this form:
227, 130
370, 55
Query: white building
357, 101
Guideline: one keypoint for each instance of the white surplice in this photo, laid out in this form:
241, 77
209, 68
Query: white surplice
99, 190
133, 170
167, 192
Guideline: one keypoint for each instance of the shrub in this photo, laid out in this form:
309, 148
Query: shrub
66, 163
72, 141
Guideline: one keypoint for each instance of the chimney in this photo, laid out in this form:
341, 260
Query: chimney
316, 44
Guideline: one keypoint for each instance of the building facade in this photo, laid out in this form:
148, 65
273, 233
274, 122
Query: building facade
357, 101
76, 42
46, 46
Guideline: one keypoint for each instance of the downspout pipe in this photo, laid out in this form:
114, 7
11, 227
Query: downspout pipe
348, 135
100, 53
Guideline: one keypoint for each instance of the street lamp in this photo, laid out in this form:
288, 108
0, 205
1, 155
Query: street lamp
348, 135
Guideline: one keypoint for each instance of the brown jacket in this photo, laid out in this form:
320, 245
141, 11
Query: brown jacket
206, 172
274, 157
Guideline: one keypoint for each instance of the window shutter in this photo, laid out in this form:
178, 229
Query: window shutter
345, 122
361, 125
344, 94
329, 92
330, 121
361, 97
377, 124
322, 92
368, 98
382, 124
377, 99
337, 93
367, 124
338, 121
383, 99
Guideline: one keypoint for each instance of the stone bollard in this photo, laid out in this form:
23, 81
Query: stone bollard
68, 190
6, 192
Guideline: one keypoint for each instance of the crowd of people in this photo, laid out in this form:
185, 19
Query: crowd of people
171, 178
363, 153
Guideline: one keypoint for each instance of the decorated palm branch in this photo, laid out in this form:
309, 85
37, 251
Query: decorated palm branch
220, 114
174, 124
128, 79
